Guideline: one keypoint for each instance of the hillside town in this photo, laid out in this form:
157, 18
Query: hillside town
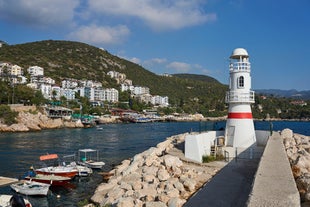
69, 87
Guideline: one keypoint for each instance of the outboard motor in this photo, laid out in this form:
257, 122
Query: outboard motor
17, 201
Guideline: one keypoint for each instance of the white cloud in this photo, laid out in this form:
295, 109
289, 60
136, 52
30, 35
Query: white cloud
39, 13
155, 61
135, 60
159, 15
179, 67
100, 34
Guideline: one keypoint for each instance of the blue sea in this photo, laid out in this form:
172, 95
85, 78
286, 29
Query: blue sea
116, 142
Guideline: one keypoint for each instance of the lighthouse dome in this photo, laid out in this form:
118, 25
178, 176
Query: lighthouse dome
239, 52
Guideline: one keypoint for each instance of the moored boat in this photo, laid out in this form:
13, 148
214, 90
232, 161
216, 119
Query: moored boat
90, 158
59, 170
53, 180
27, 187
83, 171
64, 171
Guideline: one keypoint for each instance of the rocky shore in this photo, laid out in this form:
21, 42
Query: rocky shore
27, 121
298, 151
157, 177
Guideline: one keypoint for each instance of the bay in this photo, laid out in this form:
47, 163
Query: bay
116, 142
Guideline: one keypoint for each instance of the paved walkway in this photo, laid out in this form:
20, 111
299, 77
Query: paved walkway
230, 187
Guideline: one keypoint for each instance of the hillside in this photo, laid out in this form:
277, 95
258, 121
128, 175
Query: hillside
303, 95
66, 59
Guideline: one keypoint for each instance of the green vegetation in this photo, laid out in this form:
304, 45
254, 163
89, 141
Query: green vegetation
211, 158
7, 116
188, 93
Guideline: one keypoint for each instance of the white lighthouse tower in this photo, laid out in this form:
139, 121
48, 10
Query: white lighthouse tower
240, 132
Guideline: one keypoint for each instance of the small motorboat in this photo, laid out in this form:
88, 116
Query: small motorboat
69, 161
14, 200
28, 187
64, 171
53, 180
83, 171
90, 158
59, 170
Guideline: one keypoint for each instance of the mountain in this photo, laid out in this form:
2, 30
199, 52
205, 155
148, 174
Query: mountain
196, 77
302, 95
67, 59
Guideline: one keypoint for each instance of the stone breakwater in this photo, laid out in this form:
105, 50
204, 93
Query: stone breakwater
298, 151
159, 176
27, 121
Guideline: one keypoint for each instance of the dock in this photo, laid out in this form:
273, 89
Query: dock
4, 181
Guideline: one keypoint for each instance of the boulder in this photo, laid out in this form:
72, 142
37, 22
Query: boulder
126, 202
176, 202
155, 204
163, 175
172, 161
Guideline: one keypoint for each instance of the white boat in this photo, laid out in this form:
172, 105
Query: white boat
27, 187
58, 170
90, 158
83, 171
14, 200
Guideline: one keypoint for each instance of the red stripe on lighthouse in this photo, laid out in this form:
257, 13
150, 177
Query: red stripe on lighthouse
240, 115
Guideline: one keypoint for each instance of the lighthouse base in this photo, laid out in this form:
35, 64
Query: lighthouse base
240, 133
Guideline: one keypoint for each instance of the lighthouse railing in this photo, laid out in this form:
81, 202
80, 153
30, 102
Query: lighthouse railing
240, 66
239, 97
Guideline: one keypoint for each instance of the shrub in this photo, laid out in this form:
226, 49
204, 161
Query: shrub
7, 115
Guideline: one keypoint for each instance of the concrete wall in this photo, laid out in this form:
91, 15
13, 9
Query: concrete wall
262, 137
274, 184
197, 145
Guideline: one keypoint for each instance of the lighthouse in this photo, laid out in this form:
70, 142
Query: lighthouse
239, 131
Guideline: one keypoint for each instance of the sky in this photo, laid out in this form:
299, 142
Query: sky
177, 36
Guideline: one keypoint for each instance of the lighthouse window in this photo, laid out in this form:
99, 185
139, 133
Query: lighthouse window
241, 82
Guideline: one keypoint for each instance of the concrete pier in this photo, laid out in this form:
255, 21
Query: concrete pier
274, 183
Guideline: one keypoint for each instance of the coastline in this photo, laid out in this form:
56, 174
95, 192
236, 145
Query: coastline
31, 119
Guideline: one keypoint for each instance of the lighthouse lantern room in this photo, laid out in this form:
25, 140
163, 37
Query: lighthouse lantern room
239, 131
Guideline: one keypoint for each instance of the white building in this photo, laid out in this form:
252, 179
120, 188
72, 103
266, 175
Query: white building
46, 90
16, 70
111, 95
139, 90
126, 87
161, 101
69, 83
35, 71
68, 93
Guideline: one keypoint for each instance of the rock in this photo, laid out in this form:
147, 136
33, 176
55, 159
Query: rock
126, 202
172, 161
176, 202
189, 184
120, 168
155, 204
163, 175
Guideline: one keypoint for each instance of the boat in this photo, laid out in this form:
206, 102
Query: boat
83, 171
90, 158
28, 187
14, 200
53, 180
59, 170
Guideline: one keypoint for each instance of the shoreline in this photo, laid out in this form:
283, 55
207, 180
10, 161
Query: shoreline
28, 122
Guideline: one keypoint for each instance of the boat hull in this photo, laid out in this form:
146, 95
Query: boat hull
50, 179
26, 187
58, 171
